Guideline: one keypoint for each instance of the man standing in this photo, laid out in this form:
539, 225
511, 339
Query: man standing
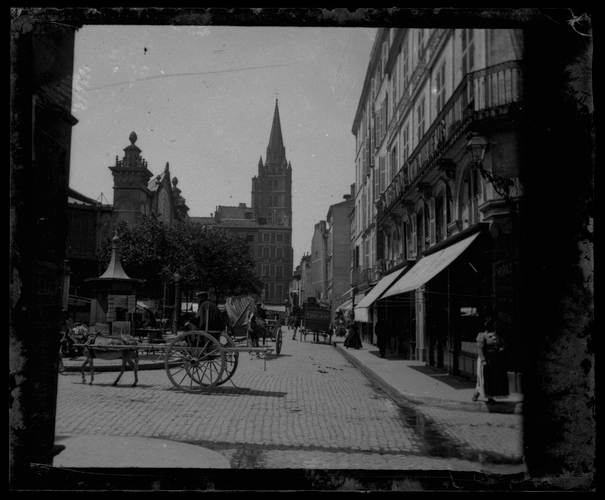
381, 337
209, 317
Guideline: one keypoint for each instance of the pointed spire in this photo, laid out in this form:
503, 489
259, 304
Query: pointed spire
276, 153
260, 161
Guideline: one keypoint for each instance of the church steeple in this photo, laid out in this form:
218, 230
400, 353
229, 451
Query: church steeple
276, 152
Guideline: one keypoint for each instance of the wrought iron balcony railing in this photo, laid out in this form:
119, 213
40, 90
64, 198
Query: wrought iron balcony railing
481, 93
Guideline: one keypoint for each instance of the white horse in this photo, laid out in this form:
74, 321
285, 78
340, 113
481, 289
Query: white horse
129, 354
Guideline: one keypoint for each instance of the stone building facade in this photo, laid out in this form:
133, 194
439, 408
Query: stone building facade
437, 162
137, 192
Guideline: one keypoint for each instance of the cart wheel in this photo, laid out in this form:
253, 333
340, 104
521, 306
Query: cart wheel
278, 342
231, 359
194, 361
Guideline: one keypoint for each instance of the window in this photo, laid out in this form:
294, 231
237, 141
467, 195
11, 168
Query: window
393, 162
278, 252
272, 252
468, 51
465, 197
259, 251
440, 87
272, 237
420, 41
279, 271
449, 205
475, 195
419, 232
250, 237
376, 182
363, 205
420, 119
405, 141
279, 290
439, 217
279, 237
405, 63
265, 269
429, 224
266, 237
266, 252
382, 173
394, 84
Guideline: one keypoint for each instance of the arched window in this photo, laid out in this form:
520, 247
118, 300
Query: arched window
427, 225
419, 232
470, 198
439, 226
475, 195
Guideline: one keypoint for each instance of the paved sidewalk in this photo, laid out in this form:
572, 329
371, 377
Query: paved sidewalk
405, 380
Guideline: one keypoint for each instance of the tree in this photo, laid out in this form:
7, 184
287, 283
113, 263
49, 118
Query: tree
205, 257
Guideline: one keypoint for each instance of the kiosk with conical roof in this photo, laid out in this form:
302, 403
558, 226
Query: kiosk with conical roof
114, 300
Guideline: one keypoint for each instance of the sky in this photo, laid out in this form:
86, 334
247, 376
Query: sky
202, 98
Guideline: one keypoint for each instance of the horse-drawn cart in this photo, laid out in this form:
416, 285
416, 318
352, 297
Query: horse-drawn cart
194, 360
316, 322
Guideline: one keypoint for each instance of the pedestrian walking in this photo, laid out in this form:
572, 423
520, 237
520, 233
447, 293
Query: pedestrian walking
491, 370
381, 337
352, 339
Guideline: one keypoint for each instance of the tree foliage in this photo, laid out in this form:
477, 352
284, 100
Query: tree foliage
204, 256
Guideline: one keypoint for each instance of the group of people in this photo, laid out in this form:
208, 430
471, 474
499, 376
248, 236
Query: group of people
491, 370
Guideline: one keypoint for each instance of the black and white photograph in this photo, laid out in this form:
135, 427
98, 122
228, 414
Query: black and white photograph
301, 249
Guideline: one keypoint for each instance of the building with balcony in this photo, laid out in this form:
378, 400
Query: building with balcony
437, 166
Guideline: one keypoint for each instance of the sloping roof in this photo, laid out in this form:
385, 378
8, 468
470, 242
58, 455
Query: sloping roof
78, 198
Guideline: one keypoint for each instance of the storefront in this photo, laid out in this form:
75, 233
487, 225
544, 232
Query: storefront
444, 298
367, 312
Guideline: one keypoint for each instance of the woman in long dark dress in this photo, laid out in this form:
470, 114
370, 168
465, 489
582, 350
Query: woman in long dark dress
491, 368
353, 339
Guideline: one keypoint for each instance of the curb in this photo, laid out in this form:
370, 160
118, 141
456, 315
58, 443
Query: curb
405, 399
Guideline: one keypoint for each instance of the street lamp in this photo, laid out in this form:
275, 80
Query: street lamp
476, 146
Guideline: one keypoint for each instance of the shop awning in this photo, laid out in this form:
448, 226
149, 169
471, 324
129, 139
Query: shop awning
428, 267
345, 306
380, 287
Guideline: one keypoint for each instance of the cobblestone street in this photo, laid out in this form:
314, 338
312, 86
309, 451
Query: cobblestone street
310, 408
